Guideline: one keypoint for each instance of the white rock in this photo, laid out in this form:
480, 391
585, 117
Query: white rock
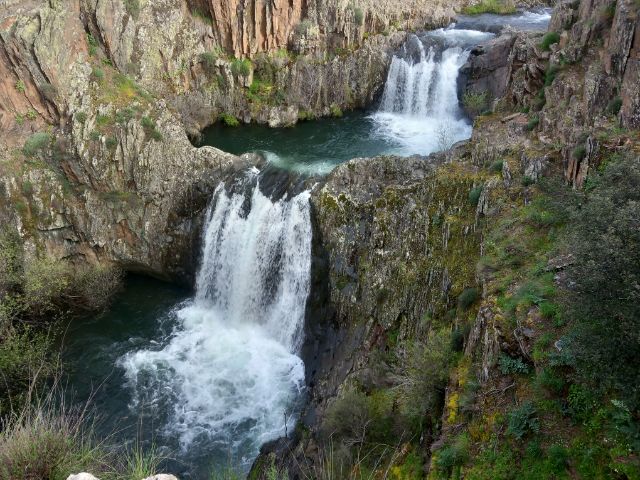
81, 476
161, 476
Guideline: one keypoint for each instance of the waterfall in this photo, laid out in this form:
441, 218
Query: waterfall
229, 372
419, 109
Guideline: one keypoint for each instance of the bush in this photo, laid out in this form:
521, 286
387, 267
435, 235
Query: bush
509, 365
497, 166
229, 120
475, 102
132, 7
422, 383
36, 143
150, 128
20, 86
550, 75
614, 106
523, 420
550, 381
208, 60
499, 7
468, 297
97, 74
451, 457
533, 123
358, 16
548, 40
604, 304
93, 45
579, 152
474, 195
241, 67
336, 111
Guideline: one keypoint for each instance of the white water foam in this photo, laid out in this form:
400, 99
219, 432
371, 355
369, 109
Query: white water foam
420, 109
230, 370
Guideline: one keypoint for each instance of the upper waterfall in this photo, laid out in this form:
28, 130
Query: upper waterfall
229, 374
419, 108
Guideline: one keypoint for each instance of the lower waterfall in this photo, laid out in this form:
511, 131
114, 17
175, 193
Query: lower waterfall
229, 373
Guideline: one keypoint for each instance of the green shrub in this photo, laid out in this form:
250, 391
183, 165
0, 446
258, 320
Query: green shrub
614, 106
523, 420
475, 102
36, 143
132, 7
579, 152
527, 181
229, 120
208, 60
551, 74
111, 143
241, 67
303, 27
533, 123
336, 111
604, 304
32, 115
509, 365
150, 128
548, 40
425, 375
468, 297
20, 119
550, 381
358, 16
474, 195
499, 7
558, 458
497, 166
103, 121
450, 458
93, 45
95, 135
97, 74
124, 115
20, 86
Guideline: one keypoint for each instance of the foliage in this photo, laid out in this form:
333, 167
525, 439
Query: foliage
132, 7
93, 45
229, 120
509, 365
579, 152
499, 7
20, 86
468, 297
150, 128
497, 166
358, 16
97, 74
241, 67
475, 102
425, 373
451, 457
550, 75
36, 143
474, 195
605, 303
523, 420
614, 106
336, 111
46, 441
548, 40
208, 60
532, 123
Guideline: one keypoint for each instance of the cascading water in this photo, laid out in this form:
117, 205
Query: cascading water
419, 109
230, 373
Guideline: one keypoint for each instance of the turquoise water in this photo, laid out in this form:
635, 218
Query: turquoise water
313, 147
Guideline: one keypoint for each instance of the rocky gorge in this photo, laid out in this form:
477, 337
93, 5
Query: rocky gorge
99, 102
